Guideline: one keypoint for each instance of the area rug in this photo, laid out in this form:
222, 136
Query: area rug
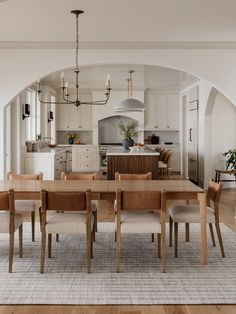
140, 281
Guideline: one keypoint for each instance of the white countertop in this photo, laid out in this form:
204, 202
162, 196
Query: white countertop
121, 151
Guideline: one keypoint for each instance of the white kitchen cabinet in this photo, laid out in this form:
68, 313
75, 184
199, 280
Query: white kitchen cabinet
51, 163
85, 158
72, 118
162, 111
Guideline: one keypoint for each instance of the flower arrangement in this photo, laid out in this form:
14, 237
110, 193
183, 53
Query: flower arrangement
71, 136
128, 130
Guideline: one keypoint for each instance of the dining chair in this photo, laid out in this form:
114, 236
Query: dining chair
142, 212
26, 206
84, 176
10, 221
54, 222
191, 214
132, 176
165, 166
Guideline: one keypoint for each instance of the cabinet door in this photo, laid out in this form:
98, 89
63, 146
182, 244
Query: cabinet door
85, 112
161, 111
150, 112
75, 117
173, 112
63, 117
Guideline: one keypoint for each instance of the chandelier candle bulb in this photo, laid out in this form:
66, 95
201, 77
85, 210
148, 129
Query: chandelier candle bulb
66, 90
62, 80
38, 86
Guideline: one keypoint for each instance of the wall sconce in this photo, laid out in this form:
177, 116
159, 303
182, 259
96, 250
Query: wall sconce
26, 111
50, 119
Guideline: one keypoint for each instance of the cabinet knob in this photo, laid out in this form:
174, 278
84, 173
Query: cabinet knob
168, 126
67, 126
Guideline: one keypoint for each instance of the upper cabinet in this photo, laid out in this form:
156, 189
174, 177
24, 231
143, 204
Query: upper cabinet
72, 118
162, 111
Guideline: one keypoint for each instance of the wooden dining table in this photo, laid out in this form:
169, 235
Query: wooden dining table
106, 189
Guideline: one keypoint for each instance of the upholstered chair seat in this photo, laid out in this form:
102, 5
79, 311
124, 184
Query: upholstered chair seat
5, 221
191, 214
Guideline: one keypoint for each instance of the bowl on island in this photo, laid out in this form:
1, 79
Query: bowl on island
133, 149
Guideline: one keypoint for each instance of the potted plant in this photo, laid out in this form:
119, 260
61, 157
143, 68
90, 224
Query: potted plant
71, 138
127, 131
230, 159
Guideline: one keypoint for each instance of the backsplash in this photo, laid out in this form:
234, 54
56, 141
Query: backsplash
85, 137
165, 136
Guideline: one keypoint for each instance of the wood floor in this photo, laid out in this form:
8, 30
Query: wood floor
227, 213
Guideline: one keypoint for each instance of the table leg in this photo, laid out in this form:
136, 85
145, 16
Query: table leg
202, 203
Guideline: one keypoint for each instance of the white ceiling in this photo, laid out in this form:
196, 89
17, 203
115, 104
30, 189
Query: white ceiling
144, 77
123, 20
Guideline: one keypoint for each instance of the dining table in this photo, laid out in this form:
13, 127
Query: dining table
106, 190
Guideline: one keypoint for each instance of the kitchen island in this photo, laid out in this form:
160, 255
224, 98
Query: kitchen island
125, 161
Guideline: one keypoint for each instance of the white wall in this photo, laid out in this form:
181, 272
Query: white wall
223, 132
20, 67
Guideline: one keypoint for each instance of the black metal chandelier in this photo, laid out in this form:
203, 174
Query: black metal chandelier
65, 87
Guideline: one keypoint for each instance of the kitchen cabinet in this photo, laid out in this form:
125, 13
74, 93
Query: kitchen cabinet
162, 111
85, 158
51, 163
72, 118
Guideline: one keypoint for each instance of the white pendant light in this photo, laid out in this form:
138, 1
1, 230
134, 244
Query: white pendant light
130, 104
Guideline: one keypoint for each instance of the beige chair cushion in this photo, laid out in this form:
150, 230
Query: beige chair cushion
67, 223
26, 205
4, 221
190, 213
140, 222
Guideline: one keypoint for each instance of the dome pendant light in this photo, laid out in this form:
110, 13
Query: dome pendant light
130, 104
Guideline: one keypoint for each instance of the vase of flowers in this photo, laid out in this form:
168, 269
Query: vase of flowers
127, 131
71, 138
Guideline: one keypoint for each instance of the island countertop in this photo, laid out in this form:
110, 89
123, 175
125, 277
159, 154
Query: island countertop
113, 151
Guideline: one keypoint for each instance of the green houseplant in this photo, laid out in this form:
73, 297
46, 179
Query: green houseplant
127, 131
230, 159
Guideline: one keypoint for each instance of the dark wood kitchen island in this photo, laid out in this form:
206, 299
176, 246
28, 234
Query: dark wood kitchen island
125, 161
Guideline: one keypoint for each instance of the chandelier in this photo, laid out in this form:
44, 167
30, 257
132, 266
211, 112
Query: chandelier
64, 85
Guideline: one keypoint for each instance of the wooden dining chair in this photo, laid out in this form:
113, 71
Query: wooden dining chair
84, 176
141, 212
10, 221
165, 166
191, 214
26, 206
54, 222
132, 176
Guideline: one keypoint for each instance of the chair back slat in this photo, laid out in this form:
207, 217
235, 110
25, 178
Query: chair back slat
129, 176
13, 176
141, 200
78, 176
214, 191
64, 201
7, 200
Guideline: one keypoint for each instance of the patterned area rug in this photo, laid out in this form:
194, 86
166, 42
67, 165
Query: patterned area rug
141, 280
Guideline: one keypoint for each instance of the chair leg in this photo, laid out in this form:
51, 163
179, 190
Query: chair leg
94, 231
89, 240
220, 239
49, 245
21, 241
43, 245
170, 230
153, 237
118, 250
159, 245
115, 236
92, 240
212, 234
163, 250
11, 250
187, 233
96, 220
176, 238
33, 225
57, 237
